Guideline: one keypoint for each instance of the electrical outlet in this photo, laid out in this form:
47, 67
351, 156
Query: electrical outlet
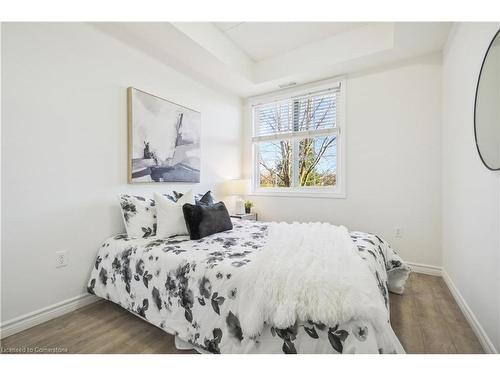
398, 233
61, 259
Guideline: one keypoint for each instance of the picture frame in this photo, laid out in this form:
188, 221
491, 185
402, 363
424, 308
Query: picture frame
163, 140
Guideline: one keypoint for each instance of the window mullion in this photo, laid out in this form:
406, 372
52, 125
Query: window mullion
295, 163
295, 143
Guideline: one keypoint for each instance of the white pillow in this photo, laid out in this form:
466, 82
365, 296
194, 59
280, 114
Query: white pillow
170, 216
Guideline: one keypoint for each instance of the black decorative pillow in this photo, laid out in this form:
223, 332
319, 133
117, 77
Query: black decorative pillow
205, 219
206, 198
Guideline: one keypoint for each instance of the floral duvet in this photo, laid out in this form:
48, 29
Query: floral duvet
188, 288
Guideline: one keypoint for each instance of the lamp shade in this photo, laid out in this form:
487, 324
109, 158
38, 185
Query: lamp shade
237, 187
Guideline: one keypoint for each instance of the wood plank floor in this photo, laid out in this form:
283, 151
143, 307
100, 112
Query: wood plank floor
426, 320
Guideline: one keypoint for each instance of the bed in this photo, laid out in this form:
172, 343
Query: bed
187, 288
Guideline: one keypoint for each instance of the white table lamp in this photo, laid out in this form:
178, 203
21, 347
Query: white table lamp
237, 188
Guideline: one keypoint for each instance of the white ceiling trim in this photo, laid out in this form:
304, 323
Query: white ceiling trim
204, 52
345, 46
340, 48
208, 36
263, 40
167, 44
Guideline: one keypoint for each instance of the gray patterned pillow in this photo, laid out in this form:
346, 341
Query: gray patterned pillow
206, 198
139, 215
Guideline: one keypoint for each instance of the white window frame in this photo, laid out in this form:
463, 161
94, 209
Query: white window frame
339, 191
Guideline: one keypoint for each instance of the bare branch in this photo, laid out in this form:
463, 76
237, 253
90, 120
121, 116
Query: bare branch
324, 146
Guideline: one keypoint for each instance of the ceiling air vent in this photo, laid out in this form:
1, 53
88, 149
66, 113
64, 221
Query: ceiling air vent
287, 85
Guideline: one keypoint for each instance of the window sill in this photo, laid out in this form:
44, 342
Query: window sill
299, 194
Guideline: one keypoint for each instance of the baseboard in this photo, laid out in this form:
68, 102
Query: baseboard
425, 269
483, 338
34, 318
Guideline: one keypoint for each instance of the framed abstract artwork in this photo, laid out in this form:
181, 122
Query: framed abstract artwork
163, 140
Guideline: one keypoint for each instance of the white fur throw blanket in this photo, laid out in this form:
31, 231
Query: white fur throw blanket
309, 271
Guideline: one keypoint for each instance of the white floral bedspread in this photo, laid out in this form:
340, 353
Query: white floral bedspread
187, 288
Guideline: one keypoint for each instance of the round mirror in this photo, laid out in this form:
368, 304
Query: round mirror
487, 107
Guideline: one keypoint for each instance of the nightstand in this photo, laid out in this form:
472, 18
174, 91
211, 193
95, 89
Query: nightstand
252, 216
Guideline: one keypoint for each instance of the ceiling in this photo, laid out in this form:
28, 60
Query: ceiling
261, 40
251, 58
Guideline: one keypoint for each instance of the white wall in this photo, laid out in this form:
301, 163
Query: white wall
488, 108
64, 151
471, 194
393, 161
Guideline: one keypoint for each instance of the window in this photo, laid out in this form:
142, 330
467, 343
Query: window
297, 142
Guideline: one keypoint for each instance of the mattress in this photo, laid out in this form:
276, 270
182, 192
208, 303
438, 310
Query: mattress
187, 288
